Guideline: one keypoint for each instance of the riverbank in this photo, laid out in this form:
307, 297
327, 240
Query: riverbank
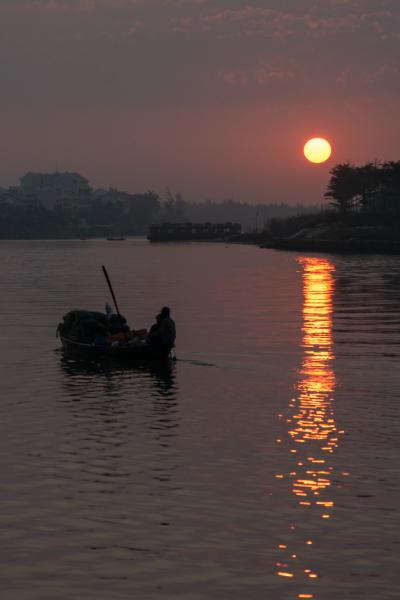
353, 246
330, 232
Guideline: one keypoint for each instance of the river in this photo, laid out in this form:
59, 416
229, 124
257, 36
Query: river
262, 464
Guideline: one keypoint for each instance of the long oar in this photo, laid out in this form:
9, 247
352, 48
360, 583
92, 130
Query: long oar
115, 300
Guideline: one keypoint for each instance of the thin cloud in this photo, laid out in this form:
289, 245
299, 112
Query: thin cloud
269, 73
65, 6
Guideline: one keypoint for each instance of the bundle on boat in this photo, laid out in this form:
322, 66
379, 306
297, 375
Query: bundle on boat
92, 334
100, 329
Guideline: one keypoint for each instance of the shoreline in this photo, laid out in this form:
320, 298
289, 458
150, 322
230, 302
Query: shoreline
336, 246
350, 246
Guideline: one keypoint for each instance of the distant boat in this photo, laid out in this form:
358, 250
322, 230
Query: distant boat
116, 239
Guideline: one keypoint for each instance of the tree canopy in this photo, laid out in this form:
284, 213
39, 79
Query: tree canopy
373, 187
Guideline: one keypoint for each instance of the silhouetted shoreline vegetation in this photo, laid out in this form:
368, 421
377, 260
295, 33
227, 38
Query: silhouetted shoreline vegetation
364, 214
373, 187
64, 205
131, 218
363, 207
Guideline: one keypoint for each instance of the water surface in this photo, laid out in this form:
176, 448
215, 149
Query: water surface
262, 464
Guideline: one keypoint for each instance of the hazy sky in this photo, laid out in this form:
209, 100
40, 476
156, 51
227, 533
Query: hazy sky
212, 98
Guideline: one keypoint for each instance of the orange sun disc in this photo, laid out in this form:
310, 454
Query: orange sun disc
317, 150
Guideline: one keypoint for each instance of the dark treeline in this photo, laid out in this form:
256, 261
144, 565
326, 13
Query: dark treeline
252, 217
119, 213
369, 193
35, 222
364, 203
373, 187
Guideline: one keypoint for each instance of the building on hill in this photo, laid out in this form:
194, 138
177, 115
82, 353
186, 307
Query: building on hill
69, 191
64, 183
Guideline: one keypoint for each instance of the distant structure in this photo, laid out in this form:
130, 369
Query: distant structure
69, 191
65, 204
179, 232
112, 196
7, 198
71, 183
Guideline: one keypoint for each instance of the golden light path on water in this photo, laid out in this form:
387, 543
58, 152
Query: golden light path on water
311, 426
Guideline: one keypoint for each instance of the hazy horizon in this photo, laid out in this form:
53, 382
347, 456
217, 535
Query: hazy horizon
213, 99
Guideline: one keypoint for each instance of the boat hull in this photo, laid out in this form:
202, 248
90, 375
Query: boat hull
140, 352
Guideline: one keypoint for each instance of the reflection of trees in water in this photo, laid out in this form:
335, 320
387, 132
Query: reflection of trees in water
311, 424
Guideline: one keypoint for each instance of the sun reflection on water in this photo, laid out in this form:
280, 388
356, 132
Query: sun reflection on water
313, 434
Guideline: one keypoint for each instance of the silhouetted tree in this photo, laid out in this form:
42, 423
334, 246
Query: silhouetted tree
174, 208
344, 187
373, 187
391, 193
142, 209
370, 185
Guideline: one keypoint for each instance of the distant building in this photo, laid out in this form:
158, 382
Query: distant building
69, 191
7, 197
64, 183
112, 196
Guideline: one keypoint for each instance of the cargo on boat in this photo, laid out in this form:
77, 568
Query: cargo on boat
182, 232
93, 334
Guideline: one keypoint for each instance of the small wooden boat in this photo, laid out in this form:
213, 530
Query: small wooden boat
137, 351
122, 344
116, 239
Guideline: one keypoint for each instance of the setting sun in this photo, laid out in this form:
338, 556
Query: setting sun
317, 150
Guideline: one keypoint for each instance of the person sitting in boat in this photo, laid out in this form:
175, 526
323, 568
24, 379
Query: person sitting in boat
167, 327
109, 311
164, 330
155, 327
